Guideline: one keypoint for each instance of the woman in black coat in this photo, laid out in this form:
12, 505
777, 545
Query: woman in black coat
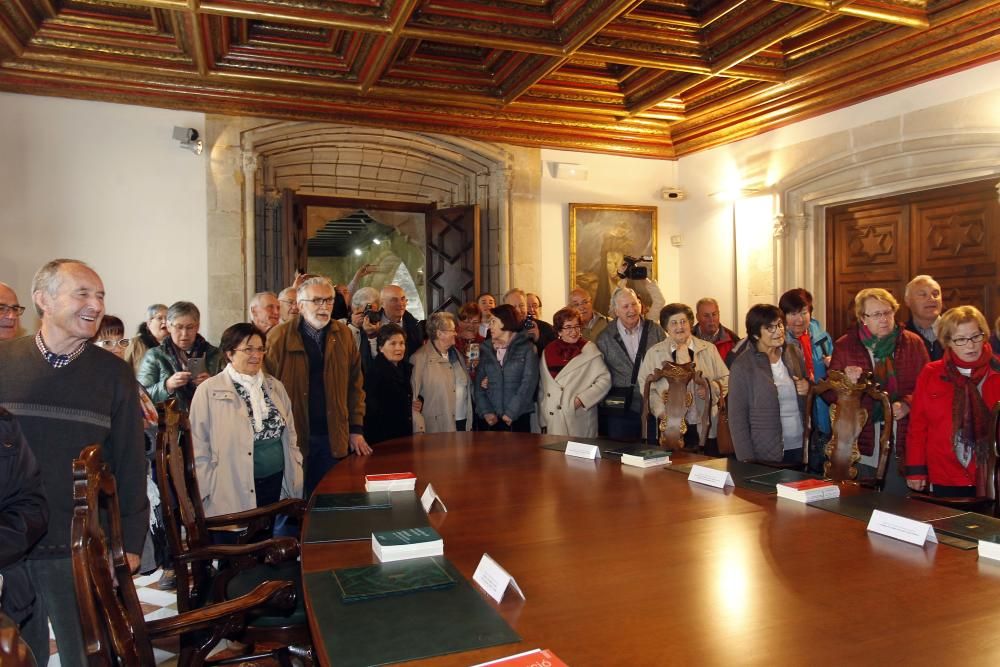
388, 396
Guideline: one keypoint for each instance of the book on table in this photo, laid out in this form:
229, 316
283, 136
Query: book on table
394, 481
808, 490
420, 542
325, 502
376, 581
646, 458
537, 658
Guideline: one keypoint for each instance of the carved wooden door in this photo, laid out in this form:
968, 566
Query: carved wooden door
949, 233
280, 241
452, 257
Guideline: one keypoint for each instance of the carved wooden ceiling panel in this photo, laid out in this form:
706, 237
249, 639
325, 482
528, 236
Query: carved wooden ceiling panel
660, 78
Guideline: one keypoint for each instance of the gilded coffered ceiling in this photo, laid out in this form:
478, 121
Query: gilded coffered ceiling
659, 78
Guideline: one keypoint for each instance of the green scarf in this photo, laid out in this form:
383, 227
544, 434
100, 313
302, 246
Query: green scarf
882, 350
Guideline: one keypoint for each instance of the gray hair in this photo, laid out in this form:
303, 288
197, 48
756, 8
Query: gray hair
153, 310
290, 291
436, 321
704, 301
922, 279
255, 299
363, 296
47, 278
309, 282
515, 290
617, 293
183, 309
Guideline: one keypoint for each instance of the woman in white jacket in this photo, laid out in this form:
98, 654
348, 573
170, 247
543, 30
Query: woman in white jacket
243, 432
574, 379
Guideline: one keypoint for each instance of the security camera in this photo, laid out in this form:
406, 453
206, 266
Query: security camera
187, 134
672, 194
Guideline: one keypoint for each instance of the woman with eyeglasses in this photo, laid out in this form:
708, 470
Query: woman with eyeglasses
573, 380
439, 379
950, 430
767, 391
879, 345
243, 432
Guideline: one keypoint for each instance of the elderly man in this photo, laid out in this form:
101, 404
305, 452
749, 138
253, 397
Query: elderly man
710, 329
10, 312
540, 332
265, 310
923, 298
365, 322
593, 322
288, 304
316, 359
394, 310
68, 394
624, 343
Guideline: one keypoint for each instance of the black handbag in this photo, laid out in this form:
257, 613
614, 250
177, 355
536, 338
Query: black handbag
618, 401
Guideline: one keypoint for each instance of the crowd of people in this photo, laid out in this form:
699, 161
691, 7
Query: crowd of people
323, 371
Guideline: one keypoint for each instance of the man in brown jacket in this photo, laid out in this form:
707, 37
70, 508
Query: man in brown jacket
314, 356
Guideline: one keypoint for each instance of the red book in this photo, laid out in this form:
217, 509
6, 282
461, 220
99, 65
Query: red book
536, 658
389, 477
807, 484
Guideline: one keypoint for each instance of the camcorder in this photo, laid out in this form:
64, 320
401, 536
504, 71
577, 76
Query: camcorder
374, 316
633, 272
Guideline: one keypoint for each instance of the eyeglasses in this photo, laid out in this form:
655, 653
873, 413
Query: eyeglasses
881, 315
771, 328
288, 301
251, 350
571, 327
963, 341
318, 301
108, 344
6, 310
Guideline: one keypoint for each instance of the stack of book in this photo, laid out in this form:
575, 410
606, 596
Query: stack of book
537, 658
808, 490
392, 545
646, 458
394, 481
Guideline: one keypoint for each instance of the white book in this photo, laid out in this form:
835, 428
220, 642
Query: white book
393, 545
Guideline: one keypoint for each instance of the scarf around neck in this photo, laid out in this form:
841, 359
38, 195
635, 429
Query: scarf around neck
558, 353
884, 367
970, 417
254, 386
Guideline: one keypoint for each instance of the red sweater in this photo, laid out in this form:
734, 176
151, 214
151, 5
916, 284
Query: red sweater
929, 454
909, 359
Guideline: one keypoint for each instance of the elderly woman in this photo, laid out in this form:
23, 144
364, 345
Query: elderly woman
767, 390
507, 375
182, 361
950, 424
680, 347
243, 431
895, 356
150, 334
468, 340
574, 379
389, 402
440, 380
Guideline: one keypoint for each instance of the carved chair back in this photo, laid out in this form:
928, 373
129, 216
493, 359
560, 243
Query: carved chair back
677, 399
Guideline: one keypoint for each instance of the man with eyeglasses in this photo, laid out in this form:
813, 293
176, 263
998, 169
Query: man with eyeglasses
10, 312
394, 310
67, 394
316, 359
287, 304
591, 321
923, 299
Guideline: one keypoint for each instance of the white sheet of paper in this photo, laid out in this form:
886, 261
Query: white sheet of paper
989, 550
494, 579
901, 528
582, 451
719, 479
428, 497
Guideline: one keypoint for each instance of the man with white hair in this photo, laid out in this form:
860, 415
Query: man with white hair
593, 323
365, 322
394, 310
10, 312
265, 310
923, 298
624, 343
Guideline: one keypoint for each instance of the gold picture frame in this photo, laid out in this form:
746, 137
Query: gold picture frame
599, 236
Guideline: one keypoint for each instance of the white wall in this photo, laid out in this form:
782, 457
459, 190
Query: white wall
611, 180
107, 184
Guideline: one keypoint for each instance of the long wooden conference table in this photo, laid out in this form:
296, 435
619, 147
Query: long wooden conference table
624, 566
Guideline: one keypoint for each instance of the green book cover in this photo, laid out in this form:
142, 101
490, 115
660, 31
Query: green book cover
397, 578
650, 453
352, 501
395, 538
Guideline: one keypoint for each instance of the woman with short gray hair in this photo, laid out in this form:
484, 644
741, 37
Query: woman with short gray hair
150, 334
440, 380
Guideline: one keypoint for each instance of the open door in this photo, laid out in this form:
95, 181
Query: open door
452, 257
280, 241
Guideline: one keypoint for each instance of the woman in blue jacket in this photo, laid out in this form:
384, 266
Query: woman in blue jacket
507, 375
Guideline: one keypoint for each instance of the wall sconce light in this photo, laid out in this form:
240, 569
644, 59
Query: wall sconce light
568, 171
188, 136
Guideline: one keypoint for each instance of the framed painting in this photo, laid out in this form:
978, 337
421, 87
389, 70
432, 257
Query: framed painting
600, 235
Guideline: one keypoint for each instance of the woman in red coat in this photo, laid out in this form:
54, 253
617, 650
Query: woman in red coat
881, 346
950, 425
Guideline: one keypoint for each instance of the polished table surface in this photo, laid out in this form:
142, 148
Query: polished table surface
623, 566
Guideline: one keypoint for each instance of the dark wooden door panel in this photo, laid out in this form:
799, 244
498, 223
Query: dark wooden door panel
452, 257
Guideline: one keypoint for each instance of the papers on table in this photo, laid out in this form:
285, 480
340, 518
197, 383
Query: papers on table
718, 479
494, 579
429, 497
580, 450
901, 528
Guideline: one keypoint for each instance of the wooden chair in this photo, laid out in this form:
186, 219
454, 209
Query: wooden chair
14, 651
238, 567
677, 399
987, 479
847, 419
114, 630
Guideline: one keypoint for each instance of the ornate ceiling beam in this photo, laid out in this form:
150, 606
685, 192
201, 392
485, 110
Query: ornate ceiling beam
897, 13
381, 57
654, 93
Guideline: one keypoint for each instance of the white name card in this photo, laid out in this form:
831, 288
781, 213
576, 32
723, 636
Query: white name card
989, 550
429, 497
901, 528
582, 451
718, 479
494, 579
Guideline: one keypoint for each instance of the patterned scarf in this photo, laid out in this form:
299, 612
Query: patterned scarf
970, 417
558, 353
882, 350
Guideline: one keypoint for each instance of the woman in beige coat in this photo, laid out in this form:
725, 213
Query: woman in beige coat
574, 379
440, 381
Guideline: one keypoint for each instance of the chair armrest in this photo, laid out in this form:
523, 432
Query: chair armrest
272, 551
289, 506
273, 595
